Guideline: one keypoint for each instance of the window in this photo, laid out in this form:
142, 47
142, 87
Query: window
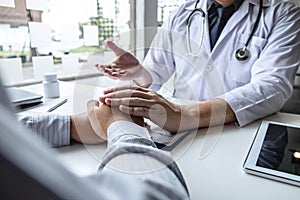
165, 7
62, 28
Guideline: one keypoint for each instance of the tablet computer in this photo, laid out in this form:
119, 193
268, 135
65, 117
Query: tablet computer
22, 98
275, 153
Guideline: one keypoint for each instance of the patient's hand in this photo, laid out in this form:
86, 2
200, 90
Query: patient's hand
82, 131
102, 115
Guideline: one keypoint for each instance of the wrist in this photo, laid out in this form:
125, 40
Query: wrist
114, 116
143, 78
82, 131
190, 117
119, 116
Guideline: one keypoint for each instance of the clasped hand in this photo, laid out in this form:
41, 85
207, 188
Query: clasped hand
91, 127
142, 102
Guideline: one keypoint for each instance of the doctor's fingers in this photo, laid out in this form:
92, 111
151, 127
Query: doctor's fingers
123, 93
130, 101
129, 87
136, 111
110, 75
117, 50
110, 68
113, 73
109, 71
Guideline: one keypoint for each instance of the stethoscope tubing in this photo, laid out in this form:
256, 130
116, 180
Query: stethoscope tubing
189, 20
256, 23
241, 54
201, 12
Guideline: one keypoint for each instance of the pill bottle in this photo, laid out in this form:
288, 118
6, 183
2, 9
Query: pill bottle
50, 85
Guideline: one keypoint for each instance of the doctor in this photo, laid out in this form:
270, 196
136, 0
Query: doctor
236, 58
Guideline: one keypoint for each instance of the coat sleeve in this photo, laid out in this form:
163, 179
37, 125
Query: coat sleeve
159, 61
273, 73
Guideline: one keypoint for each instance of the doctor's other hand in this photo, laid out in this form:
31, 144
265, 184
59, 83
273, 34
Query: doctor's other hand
125, 67
101, 116
146, 103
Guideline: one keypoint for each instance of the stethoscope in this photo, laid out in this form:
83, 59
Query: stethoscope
241, 54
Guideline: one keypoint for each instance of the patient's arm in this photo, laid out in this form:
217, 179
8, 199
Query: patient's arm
57, 130
132, 154
81, 130
101, 116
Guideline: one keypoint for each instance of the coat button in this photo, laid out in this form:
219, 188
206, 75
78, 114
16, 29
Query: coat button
209, 67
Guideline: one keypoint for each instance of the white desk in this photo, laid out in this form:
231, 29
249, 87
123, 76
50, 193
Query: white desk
211, 164
220, 174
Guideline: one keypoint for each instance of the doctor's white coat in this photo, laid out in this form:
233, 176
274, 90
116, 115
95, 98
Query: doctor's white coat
254, 88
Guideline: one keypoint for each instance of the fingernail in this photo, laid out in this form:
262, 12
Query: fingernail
108, 101
101, 99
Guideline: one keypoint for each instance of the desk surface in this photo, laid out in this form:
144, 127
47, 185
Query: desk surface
211, 160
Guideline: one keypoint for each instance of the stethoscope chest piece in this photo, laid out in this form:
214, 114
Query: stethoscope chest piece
242, 54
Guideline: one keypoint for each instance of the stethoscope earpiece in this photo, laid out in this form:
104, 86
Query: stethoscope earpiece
242, 54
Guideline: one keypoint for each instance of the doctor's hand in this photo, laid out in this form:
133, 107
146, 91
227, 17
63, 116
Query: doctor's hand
101, 116
146, 103
125, 67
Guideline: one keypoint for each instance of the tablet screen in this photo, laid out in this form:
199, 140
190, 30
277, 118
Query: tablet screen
275, 152
280, 149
